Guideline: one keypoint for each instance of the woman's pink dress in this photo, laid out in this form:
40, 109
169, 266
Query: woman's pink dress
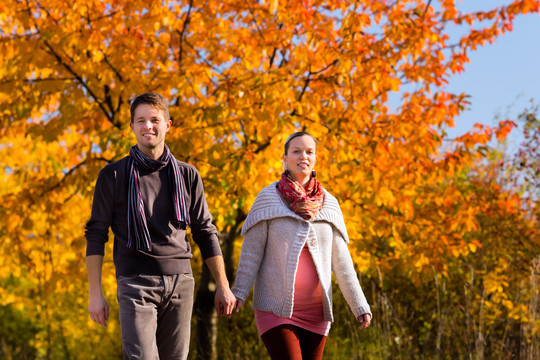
308, 309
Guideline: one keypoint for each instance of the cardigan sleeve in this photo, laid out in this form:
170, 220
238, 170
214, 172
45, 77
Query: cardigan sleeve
345, 274
251, 257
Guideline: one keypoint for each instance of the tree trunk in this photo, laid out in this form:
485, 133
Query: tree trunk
228, 245
204, 303
206, 317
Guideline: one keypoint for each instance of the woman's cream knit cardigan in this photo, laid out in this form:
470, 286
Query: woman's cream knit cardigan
274, 238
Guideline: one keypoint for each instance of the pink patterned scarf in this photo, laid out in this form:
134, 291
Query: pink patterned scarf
305, 202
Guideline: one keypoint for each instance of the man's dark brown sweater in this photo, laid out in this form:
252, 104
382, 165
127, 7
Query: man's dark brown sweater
171, 252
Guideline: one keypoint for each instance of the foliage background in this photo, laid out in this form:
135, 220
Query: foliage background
444, 235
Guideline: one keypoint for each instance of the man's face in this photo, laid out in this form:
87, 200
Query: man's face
150, 126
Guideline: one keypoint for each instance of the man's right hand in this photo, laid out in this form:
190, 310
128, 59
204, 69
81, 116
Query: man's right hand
98, 309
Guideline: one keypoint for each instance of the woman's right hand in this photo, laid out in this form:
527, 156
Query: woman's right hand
239, 304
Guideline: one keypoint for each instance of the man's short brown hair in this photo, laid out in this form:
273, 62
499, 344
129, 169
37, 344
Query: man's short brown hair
153, 99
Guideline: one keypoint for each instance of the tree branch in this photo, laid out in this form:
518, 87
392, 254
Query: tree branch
110, 116
427, 7
71, 172
182, 34
56, 55
116, 72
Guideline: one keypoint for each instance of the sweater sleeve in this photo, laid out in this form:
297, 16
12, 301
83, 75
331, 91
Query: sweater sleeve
101, 218
251, 257
203, 230
343, 269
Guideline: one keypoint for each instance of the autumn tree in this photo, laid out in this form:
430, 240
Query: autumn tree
521, 169
241, 76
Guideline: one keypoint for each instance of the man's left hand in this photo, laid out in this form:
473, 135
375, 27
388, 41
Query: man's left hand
224, 301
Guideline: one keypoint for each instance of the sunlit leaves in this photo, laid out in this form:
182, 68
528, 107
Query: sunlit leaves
365, 78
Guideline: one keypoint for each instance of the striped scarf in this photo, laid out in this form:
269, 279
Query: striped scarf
305, 202
138, 234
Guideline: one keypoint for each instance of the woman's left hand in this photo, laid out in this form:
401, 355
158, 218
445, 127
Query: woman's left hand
239, 304
365, 320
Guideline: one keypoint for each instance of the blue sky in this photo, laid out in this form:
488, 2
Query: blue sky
502, 77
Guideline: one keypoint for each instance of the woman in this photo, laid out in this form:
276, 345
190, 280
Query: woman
295, 236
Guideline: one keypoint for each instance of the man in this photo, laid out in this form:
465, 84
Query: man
148, 199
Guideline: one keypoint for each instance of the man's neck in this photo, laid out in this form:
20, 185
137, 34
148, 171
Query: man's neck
154, 153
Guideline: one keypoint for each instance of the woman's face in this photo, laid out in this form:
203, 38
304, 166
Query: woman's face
300, 158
